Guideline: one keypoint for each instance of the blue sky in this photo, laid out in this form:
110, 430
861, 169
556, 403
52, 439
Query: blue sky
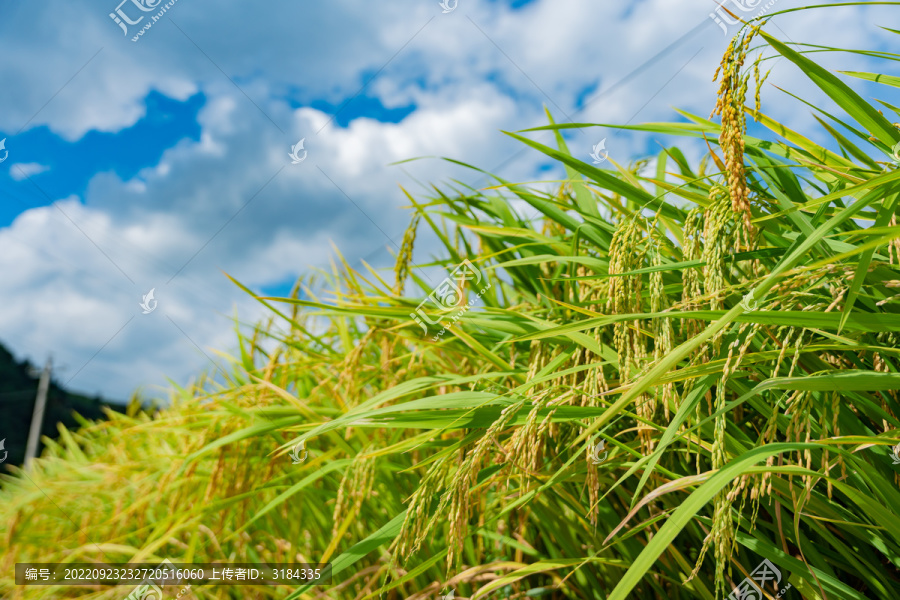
163, 163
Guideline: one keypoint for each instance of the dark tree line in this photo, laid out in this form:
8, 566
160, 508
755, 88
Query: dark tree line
18, 390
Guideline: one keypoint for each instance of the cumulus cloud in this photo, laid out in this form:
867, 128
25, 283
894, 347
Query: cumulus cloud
20, 171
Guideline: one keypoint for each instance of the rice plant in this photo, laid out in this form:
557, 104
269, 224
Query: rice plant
725, 333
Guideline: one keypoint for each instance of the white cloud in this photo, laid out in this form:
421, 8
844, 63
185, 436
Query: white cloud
20, 171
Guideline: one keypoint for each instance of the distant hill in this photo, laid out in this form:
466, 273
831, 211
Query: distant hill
18, 389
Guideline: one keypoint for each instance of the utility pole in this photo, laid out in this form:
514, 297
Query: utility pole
37, 419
